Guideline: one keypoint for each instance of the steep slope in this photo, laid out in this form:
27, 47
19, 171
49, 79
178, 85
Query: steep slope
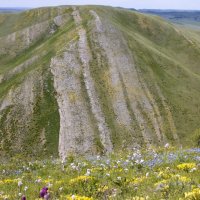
89, 80
27, 84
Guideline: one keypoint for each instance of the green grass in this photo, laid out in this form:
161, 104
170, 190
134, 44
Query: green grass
118, 176
45, 118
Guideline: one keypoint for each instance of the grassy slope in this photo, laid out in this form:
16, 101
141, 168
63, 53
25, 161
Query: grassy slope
16, 21
45, 114
165, 57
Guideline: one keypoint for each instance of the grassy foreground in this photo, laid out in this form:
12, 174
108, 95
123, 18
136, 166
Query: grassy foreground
136, 175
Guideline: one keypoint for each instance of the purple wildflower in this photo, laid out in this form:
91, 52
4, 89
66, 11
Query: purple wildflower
43, 192
23, 197
47, 196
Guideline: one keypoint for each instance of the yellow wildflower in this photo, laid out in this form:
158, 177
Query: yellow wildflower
164, 175
48, 181
138, 180
186, 166
138, 198
8, 181
76, 197
80, 179
193, 195
184, 179
103, 189
4, 196
96, 169
59, 182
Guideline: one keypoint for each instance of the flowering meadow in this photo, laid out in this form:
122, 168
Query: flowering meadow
136, 175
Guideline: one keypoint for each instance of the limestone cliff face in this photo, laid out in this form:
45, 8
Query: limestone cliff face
81, 82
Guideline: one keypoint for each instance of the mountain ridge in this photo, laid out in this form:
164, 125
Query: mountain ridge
95, 80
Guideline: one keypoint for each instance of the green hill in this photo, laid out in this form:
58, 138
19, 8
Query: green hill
91, 79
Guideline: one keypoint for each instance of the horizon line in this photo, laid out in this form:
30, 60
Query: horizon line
169, 9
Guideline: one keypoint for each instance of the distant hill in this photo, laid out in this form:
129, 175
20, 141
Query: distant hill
182, 17
12, 10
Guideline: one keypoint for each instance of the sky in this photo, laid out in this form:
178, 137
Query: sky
138, 4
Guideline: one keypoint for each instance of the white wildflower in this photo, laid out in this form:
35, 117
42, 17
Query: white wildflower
167, 146
193, 169
20, 183
88, 172
126, 169
98, 157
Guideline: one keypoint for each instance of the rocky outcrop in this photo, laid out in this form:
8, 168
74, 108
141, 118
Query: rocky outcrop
122, 65
103, 46
94, 84
19, 69
17, 107
85, 57
61, 20
169, 115
76, 133
18, 41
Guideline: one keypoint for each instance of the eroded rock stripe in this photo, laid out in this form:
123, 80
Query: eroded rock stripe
85, 57
76, 134
169, 115
156, 114
20, 68
21, 99
20, 40
117, 96
113, 43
